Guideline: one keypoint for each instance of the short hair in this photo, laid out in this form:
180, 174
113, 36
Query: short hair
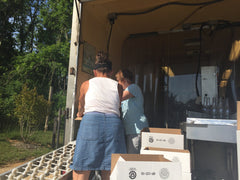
125, 74
102, 63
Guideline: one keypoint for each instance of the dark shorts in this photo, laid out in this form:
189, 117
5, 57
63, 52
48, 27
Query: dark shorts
99, 136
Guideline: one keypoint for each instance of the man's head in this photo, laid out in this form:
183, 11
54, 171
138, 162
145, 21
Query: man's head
102, 63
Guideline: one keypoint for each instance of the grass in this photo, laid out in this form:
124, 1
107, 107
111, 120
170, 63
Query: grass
12, 148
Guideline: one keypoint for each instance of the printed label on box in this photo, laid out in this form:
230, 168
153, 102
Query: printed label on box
161, 140
182, 156
142, 170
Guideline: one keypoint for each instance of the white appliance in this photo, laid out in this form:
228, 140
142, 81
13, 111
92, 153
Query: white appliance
209, 82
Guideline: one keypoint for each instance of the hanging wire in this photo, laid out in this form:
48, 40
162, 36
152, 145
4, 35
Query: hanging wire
199, 59
109, 37
113, 16
167, 4
79, 20
186, 18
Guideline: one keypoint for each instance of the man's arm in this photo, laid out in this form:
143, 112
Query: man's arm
83, 91
120, 92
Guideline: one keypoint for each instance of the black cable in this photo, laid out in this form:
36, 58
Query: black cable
190, 15
109, 37
199, 59
166, 4
79, 20
113, 16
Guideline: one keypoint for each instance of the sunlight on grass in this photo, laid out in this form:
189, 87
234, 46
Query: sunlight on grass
12, 149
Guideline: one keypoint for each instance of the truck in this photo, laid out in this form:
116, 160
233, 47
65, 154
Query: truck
184, 55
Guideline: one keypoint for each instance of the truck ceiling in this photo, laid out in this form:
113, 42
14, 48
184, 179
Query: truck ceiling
141, 16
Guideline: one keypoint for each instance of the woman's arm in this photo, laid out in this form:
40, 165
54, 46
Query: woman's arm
126, 95
83, 91
120, 92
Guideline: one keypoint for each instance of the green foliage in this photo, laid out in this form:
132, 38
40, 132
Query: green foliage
6, 108
34, 49
31, 109
39, 69
7, 28
59, 101
56, 20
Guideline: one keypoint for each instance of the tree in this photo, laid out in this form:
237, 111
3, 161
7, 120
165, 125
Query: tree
34, 49
56, 18
9, 9
15, 22
43, 69
26, 24
30, 110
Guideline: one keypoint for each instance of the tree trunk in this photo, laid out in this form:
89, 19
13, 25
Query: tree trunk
49, 100
54, 133
58, 126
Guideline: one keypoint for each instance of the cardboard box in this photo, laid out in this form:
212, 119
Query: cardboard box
174, 155
238, 152
162, 138
144, 167
187, 176
238, 115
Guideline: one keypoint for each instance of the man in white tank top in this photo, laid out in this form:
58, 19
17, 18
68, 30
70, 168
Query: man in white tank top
101, 131
102, 96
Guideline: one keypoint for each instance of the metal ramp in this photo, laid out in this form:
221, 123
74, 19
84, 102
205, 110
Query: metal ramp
53, 165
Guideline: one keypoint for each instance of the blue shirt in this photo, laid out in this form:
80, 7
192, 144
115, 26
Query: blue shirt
133, 111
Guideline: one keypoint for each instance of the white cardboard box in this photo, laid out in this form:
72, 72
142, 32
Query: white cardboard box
174, 155
144, 167
238, 152
186, 176
162, 138
238, 137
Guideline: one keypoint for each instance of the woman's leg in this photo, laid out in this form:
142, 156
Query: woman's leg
81, 175
105, 175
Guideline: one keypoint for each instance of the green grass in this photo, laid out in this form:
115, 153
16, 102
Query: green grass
13, 150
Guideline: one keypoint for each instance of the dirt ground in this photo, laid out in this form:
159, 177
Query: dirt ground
8, 167
18, 144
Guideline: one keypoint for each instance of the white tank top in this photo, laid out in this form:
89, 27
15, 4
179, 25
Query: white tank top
102, 96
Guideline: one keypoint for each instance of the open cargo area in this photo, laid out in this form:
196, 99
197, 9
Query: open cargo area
185, 58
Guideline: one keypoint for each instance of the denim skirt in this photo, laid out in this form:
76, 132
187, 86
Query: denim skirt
99, 136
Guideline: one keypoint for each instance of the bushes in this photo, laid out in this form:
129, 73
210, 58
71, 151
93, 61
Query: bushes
31, 110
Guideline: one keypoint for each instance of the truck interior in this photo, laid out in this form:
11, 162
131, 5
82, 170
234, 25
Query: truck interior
184, 54
185, 57
165, 43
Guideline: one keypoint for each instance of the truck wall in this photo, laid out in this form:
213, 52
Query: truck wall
146, 54
95, 33
166, 98
166, 101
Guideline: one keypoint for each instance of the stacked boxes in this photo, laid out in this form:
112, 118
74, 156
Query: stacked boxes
144, 167
162, 138
170, 144
162, 157
174, 155
238, 137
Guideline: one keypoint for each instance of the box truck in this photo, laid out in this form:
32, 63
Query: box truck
184, 55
